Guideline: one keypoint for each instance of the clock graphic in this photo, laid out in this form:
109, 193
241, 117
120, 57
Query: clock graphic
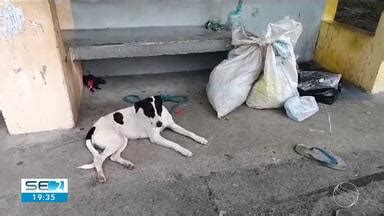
44, 196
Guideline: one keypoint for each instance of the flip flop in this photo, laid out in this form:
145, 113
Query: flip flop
322, 155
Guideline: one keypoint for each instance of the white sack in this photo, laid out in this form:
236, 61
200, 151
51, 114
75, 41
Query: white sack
301, 108
231, 80
279, 79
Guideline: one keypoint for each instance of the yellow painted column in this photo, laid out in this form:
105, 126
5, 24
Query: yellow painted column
40, 86
330, 10
354, 53
377, 60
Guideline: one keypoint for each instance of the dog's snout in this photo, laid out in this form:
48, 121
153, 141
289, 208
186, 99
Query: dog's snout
159, 124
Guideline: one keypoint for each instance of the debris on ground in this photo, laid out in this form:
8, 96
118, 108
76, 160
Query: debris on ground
92, 82
329, 122
322, 85
322, 155
315, 130
301, 108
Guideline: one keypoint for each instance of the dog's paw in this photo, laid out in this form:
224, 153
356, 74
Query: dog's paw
185, 152
201, 140
101, 178
129, 165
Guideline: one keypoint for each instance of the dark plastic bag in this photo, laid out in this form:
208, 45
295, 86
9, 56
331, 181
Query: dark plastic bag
324, 86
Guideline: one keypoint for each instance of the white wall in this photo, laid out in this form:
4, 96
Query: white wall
89, 14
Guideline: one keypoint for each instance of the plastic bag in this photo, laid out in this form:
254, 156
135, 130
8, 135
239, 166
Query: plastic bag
324, 86
301, 108
231, 80
278, 83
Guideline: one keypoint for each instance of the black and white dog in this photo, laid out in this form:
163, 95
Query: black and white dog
146, 119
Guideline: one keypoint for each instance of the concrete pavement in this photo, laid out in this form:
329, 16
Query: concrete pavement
248, 168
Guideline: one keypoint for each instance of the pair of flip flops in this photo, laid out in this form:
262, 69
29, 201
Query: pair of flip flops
322, 155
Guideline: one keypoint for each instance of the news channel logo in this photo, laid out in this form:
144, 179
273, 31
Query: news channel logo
44, 190
345, 194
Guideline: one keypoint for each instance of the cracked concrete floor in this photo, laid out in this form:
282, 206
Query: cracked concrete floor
247, 168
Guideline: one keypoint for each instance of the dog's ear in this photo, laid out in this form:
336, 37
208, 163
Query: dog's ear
147, 107
158, 104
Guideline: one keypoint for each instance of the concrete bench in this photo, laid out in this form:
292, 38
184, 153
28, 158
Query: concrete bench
144, 41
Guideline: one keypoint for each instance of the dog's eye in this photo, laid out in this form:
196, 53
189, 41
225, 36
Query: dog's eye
159, 124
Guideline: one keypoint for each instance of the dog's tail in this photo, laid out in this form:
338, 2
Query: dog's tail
90, 147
